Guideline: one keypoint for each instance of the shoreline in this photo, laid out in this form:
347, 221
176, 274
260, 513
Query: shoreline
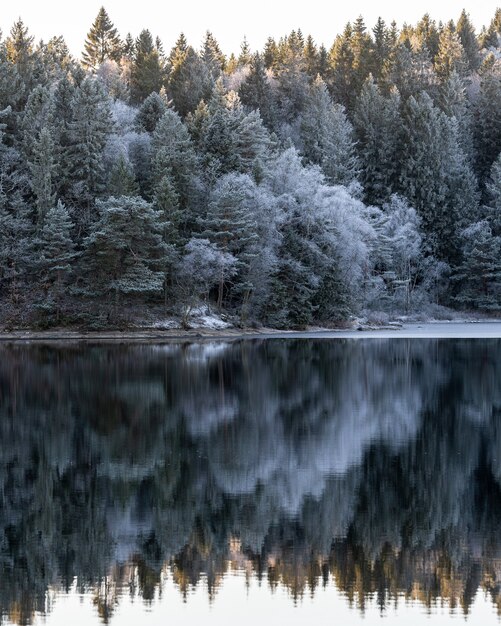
425, 330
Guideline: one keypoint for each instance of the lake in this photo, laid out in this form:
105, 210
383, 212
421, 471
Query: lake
340, 481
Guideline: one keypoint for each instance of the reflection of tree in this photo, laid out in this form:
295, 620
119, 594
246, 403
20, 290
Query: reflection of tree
374, 464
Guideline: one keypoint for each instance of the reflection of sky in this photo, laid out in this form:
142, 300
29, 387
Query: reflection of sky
257, 604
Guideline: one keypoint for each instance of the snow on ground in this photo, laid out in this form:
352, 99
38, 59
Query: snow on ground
428, 330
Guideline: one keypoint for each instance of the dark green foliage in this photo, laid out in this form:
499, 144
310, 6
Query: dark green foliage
102, 43
150, 112
124, 253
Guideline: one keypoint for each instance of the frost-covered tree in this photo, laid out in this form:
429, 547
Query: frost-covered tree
201, 267
122, 181
479, 272
469, 41
378, 128
451, 56
328, 138
150, 112
43, 169
255, 91
188, 79
174, 156
57, 252
90, 127
123, 254
231, 225
147, 71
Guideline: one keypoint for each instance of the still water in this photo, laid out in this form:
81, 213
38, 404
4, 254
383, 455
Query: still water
340, 481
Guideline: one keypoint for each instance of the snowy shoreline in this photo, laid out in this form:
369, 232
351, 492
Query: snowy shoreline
425, 330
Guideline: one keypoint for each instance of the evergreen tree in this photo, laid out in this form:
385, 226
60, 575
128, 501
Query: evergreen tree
43, 168
451, 56
150, 112
122, 180
230, 224
435, 176
90, 128
493, 208
102, 43
123, 254
468, 38
174, 156
188, 80
147, 71
479, 273
488, 123
57, 253
378, 127
20, 53
492, 36
327, 137
255, 91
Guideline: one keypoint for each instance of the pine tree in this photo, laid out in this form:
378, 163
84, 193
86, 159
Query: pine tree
102, 43
492, 36
20, 53
57, 253
327, 137
454, 101
43, 169
255, 91
147, 71
122, 180
451, 56
212, 57
90, 128
230, 224
38, 114
62, 128
488, 123
428, 35
174, 156
378, 127
341, 60
245, 56
123, 254
435, 176
150, 112
493, 208
382, 47
479, 274
468, 38
188, 79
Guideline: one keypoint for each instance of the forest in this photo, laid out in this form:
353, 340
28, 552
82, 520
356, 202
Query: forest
295, 185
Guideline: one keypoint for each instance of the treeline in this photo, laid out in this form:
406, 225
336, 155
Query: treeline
285, 187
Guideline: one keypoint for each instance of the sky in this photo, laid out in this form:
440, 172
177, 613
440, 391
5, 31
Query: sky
229, 20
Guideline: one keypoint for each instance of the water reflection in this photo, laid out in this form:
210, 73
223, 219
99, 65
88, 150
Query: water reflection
373, 465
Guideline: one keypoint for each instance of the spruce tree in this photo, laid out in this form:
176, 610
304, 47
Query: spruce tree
378, 127
43, 170
451, 56
124, 254
188, 79
230, 224
150, 112
102, 43
122, 181
469, 41
148, 70
57, 253
327, 137
255, 91
479, 273
90, 128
